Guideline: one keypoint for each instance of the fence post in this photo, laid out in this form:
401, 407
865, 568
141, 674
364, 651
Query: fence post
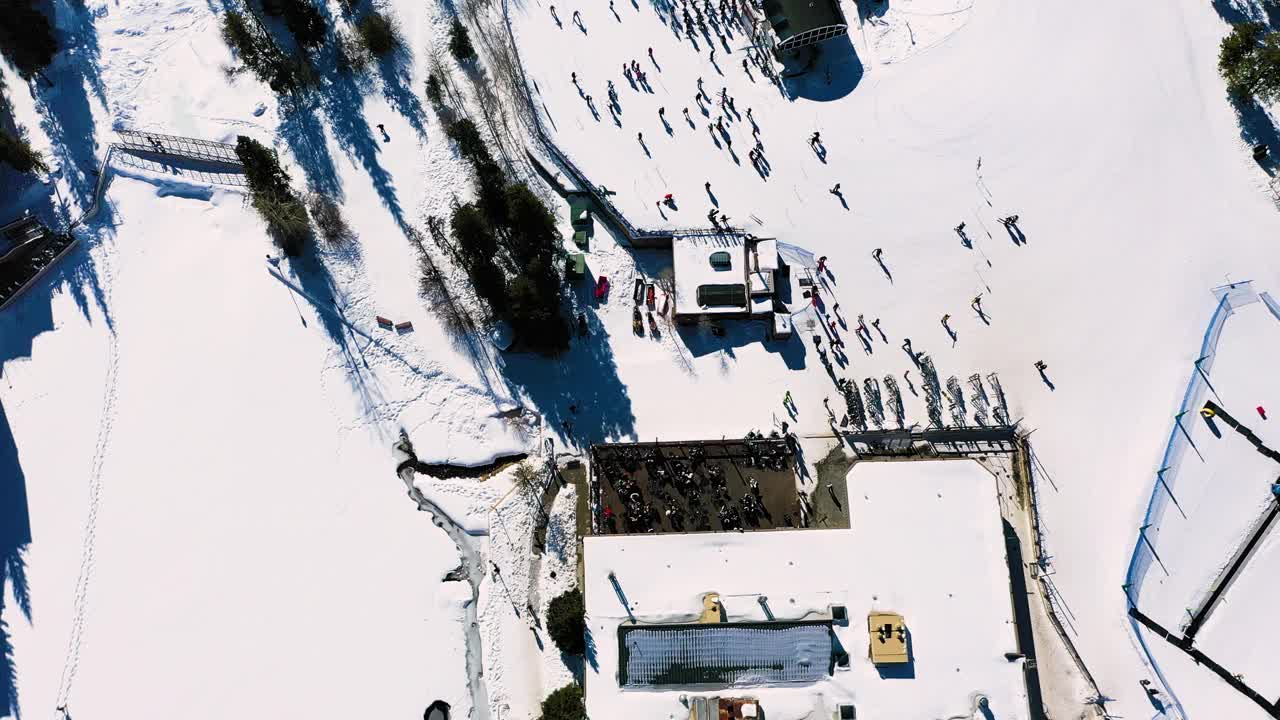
1142, 533
1205, 377
1178, 420
1160, 477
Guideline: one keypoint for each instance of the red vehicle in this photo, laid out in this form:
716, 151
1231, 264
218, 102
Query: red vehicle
602, 287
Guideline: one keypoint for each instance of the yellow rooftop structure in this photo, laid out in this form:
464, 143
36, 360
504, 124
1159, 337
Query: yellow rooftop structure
888, 638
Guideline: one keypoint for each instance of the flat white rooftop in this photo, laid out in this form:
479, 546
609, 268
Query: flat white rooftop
926, 541
691, 262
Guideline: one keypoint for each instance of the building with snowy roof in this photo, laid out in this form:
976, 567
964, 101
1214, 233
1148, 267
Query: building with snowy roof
801, 23
724, 276
800, 608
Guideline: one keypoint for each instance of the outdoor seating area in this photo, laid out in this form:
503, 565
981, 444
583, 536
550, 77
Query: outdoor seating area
710, 486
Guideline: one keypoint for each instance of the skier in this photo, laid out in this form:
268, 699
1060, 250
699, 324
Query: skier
875, 254
822, 263
554, 15
815, 138
655, 62
835, 190
574, 77
707, 185
786, 399
1041, 366
662, 112
1262, 412
713, 56
836, 308
686, 115
640, 137
959, 228
577, 18
876, 324
906, 346
945, 318
671, 202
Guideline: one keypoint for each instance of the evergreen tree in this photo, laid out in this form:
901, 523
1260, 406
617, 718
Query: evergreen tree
16, 151
564, 704
378, 33
566, 622
26, 37
472, 235
1249, 60
460, 42
434, 91
272, 197
305, 22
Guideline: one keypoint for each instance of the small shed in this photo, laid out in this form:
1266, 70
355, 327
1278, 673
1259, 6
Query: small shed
576, 267
888, 638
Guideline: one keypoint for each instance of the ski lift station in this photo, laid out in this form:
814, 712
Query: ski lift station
734, 276
908, 613
802, 23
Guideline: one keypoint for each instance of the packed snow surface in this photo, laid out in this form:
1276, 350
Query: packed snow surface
205, 452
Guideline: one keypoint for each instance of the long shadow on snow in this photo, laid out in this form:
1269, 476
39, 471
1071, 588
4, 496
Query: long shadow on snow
343, 105
833, 72
32, 312
15, 536
584, 375
311, 274
397, 88
66, 115
738, 333
1258, 128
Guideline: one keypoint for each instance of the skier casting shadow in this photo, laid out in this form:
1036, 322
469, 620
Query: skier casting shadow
1041, 367
1015, 233
964, 239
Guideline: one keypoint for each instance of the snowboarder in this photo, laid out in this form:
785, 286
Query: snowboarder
669, 199
1262, 412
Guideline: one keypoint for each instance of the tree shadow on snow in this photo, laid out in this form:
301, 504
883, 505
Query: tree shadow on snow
825, 72
66, 115
1257, 127
585, 376
397, 88
15, 536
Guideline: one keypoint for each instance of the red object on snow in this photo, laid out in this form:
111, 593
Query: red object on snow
602, 287
651, 296
1263, 412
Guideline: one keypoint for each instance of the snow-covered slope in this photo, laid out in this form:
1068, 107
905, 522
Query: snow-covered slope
218, 442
